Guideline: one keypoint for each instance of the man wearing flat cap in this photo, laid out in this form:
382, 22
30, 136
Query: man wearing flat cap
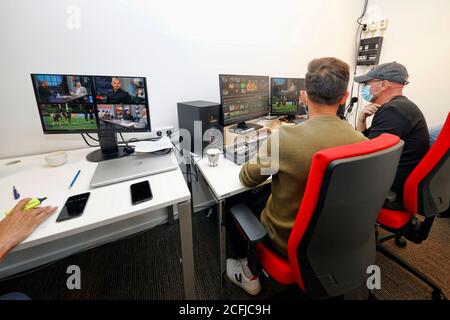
396, 114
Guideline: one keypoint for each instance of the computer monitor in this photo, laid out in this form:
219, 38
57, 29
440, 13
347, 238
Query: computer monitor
243, 98
285, 96
93, 104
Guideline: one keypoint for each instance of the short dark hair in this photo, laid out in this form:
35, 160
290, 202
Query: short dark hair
327, 80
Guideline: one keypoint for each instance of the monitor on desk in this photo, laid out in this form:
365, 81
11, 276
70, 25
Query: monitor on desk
243, 98
285, 96
93, 104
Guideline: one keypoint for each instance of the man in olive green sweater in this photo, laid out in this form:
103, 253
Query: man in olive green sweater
326, 88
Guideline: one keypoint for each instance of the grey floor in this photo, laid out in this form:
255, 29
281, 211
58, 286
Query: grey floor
147, 266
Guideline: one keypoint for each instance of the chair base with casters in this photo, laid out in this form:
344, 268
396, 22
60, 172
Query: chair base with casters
436, 293
416, 232
426, 193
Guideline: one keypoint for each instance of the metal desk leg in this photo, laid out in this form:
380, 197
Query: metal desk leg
222, 237
187, 252
170, 217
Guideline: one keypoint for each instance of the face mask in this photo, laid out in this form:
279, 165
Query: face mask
366, 93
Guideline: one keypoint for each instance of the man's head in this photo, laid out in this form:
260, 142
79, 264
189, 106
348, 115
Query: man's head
115, 83
384, 82
43, 83
78, 84
326, 83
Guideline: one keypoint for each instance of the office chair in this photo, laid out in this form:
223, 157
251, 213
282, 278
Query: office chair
333, 238
426, 193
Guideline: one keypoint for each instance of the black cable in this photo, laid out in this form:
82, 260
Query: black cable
139, 140
194, 165
360, 29
180, 151
191, 160
184, 172
162, 152
357, 107
90, 145
363, 13
123, 140
92, 137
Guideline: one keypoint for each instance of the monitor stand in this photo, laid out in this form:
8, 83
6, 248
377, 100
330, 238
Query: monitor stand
270, 117
288, 118
243, 127
109, 148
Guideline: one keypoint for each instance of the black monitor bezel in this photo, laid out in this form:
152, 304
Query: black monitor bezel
271, 107
94, 104
250, 117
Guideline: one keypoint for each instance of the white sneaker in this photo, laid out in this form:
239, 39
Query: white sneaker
236, 275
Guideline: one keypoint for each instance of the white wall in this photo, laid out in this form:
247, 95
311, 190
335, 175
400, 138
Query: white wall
417, 36
180, 46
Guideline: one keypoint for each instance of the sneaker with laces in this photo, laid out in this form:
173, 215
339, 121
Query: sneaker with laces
235, 274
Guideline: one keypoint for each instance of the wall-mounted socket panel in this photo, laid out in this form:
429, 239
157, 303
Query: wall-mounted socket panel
373, 26
383, 24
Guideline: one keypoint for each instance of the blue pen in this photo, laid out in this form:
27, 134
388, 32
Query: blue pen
74, 179
16, 194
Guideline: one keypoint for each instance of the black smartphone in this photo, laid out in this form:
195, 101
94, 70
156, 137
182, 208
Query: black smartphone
73, 207
140, 192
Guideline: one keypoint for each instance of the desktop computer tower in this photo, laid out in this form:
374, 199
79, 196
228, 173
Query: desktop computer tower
200, 126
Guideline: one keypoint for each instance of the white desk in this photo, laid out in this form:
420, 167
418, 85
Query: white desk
223, 180
106, 205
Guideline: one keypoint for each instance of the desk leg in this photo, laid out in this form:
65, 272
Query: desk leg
222, 238
187, 252
170, 217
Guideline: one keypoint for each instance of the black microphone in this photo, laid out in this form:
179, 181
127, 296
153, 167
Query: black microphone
353, 100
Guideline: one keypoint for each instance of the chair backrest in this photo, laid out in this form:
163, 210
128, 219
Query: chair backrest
427, 188
333, 239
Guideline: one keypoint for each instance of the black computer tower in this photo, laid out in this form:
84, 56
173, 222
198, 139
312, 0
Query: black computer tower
200, 126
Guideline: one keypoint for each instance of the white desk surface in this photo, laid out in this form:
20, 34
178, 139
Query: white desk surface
224, 178
34, 178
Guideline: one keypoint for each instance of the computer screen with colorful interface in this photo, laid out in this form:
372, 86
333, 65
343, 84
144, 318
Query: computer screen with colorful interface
83, 104
243, 97
285, 95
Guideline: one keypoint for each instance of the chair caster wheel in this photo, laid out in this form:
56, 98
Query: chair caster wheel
400, 242
438, 295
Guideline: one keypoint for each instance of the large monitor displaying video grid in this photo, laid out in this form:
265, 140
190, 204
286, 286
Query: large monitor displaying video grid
243, 97
88, 104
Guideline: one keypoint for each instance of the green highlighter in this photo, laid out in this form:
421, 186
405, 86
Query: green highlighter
33, 203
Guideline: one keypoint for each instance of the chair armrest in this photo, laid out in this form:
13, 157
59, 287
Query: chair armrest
253, 229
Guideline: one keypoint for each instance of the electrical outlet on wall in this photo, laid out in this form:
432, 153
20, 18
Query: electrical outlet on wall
383, 24
373, 26
365, 28
163, 131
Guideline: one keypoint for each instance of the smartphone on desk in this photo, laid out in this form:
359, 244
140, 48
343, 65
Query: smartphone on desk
140, 192
73, 207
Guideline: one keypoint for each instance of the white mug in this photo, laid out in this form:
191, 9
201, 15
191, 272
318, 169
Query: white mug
56, 159
213, 156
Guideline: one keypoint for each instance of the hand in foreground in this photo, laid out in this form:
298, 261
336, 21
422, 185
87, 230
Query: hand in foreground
19, 224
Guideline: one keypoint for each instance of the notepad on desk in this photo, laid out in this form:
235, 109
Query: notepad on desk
152, 146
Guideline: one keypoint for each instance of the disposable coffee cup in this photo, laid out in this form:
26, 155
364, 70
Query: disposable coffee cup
213, 157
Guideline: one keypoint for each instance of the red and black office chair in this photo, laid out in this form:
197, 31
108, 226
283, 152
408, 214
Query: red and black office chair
426, 193
333, 238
